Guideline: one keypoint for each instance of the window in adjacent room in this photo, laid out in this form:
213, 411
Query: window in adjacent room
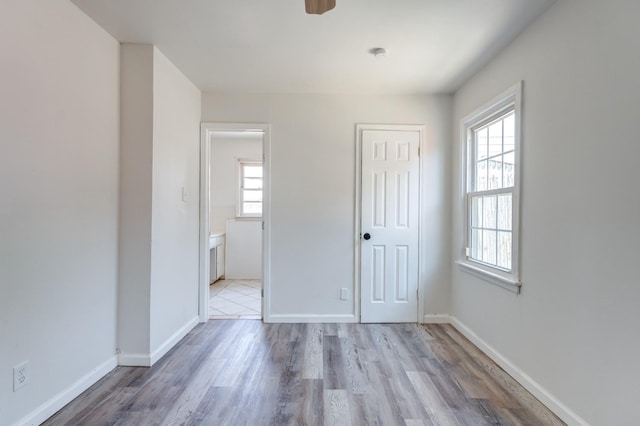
491, 140
250, 189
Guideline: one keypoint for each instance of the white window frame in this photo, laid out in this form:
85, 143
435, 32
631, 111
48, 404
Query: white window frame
509, 100
240, 213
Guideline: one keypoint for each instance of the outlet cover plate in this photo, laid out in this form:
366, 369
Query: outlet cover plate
20, 375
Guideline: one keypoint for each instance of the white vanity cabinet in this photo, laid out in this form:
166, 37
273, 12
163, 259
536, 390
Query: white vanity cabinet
216, 263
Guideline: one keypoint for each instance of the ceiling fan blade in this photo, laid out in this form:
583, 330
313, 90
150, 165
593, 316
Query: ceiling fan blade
318, 7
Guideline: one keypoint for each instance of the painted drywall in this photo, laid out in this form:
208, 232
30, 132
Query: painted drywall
225, 153
59, 85
158, 293
312, 192
573, 328
175, 216
243, 251
136, 162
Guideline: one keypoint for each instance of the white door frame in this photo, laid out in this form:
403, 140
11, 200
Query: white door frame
360, 128
207, 130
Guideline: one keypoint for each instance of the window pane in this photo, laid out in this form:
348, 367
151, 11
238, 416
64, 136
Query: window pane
489, 240
495, 173
252, 171
476, 244
252, 208
504, 250
495, 138
476, 212
252, 183
251, 195
493, 168
509, 144
489, 212
504, 212
481, 144
489, 245
509, 132
509, 169
481, 176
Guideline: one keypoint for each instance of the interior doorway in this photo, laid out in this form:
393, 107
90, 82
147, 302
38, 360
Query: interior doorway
388, 255
234, 221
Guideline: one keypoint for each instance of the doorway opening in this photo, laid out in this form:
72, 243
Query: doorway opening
234, 221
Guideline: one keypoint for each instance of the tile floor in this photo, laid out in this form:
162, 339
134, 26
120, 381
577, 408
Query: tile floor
235, 299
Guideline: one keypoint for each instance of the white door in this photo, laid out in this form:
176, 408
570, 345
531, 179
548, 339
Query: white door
389, 225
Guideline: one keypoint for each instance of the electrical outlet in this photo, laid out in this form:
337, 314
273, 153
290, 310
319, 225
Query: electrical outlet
344, 293
20, 375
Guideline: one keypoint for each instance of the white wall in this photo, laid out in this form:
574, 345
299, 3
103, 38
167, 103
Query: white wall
59, 211
136, 168
225, 153
175, 222
312, 192
243, 250
574, 327
158, 292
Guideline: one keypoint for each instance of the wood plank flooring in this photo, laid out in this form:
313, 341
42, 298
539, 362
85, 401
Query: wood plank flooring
245, 372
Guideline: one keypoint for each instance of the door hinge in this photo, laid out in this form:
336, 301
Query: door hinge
418, 151
263, 225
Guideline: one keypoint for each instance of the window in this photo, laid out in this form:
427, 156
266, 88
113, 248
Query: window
491, 139
250, 189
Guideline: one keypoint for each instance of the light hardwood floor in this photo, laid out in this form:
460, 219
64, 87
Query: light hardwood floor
244, 372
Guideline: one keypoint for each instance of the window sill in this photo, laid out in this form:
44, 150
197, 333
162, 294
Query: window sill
490, 277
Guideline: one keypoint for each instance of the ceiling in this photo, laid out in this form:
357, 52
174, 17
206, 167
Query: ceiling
272, 46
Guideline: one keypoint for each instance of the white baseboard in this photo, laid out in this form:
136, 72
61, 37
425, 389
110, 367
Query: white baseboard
53, 405
147, 360
436, 319
520, 376
134, 360
311, 319
175, 338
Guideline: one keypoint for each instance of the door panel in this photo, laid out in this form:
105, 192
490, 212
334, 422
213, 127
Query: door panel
378, 274
402, 274
389, 206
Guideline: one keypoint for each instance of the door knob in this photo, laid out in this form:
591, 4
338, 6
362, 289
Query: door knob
366, 236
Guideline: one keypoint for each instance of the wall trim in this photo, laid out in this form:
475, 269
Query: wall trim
53, 405
543, 395
147, 360
173, 340
311, 319
436, 319
533, 387
134, 360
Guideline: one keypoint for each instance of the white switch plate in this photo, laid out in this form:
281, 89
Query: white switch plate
20, 375
344, 293
185, 194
